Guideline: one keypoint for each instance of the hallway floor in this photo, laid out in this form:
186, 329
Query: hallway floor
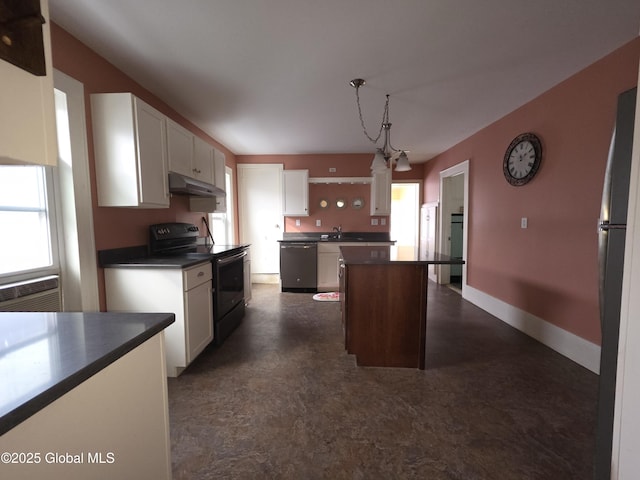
280, 399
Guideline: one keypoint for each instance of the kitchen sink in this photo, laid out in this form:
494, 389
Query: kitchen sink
345, 237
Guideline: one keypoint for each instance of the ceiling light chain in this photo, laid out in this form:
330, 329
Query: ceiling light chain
383, 158
384, 115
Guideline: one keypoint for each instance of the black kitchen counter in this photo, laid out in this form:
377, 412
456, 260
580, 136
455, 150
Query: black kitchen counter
386, 254
138, 256
345, 237
45, 355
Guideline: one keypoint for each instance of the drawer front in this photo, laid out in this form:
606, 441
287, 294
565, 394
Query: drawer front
194, 276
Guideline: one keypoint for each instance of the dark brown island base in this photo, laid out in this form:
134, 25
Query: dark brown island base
384, 305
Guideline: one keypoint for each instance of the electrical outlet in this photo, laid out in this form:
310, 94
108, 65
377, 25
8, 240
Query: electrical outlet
297, 222
523, 222
374, 221
383, 221
318, 223
332, 169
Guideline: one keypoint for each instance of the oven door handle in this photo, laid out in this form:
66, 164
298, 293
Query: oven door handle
231, 258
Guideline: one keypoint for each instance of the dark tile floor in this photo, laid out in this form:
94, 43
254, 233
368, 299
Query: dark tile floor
282, 400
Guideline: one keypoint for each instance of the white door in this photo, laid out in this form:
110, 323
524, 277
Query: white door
260, 214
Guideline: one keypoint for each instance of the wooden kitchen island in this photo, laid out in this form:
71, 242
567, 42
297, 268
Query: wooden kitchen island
384, 305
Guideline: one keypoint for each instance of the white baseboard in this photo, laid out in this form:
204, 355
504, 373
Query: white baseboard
566, 343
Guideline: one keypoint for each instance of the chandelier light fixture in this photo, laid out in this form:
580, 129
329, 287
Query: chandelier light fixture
385, 155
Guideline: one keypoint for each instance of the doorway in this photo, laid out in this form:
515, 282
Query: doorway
453, 224
405, 218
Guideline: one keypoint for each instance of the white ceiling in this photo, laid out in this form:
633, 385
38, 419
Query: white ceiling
272, 76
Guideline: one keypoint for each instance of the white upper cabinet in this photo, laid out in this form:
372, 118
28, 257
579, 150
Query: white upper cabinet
130, 151
202, 166
219, 161
381, 193
179, 148
295, 192
27, 112
219, 166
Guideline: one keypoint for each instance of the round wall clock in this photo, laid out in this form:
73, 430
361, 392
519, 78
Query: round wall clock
522, 159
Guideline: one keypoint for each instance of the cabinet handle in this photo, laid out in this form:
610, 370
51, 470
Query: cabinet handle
201, 274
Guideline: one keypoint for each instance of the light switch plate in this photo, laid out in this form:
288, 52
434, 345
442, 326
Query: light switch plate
297, 222
318, 223
383, 221
374, 221
523, 222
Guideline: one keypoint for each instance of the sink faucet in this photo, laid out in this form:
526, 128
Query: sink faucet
339, 230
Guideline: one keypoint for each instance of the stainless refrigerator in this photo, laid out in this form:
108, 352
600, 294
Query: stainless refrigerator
611, 238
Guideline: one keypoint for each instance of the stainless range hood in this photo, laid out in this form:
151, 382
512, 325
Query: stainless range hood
181, 185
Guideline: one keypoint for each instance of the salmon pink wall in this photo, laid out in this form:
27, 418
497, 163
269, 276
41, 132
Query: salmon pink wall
549, 269
346, 165
120, 227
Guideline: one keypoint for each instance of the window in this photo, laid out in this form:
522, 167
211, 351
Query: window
26, 241
222, 223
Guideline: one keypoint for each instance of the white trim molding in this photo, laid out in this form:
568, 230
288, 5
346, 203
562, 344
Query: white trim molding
566, 343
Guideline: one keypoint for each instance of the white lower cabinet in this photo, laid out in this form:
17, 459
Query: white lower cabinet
186, 293
113, 425
328, 265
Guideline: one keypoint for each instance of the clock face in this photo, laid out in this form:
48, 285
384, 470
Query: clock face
522, 159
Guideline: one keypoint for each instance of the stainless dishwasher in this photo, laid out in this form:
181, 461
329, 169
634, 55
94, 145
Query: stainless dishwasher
298, 266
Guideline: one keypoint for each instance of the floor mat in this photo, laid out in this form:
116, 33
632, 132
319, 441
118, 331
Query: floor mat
327, 297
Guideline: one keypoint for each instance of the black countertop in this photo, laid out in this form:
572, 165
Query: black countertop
385, 254
138, 257
45, 355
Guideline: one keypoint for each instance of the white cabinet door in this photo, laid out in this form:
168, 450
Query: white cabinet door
199, 312
328, 271
295, 192
381, 193
27, 112
219, 161
153, 180
179, 148
130, 152
202, 161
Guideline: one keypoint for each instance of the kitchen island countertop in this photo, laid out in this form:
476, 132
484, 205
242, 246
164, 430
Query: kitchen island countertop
44, 355
384, 254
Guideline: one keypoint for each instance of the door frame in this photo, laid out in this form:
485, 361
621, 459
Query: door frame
79, 204
461, 168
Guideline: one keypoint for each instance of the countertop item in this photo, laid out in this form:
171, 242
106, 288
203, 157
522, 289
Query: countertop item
353, 255
344, 237
138, 257
45, 355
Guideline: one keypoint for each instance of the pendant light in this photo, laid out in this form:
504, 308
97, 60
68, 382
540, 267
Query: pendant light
386, 154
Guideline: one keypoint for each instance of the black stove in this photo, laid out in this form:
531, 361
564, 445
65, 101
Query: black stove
180, 241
